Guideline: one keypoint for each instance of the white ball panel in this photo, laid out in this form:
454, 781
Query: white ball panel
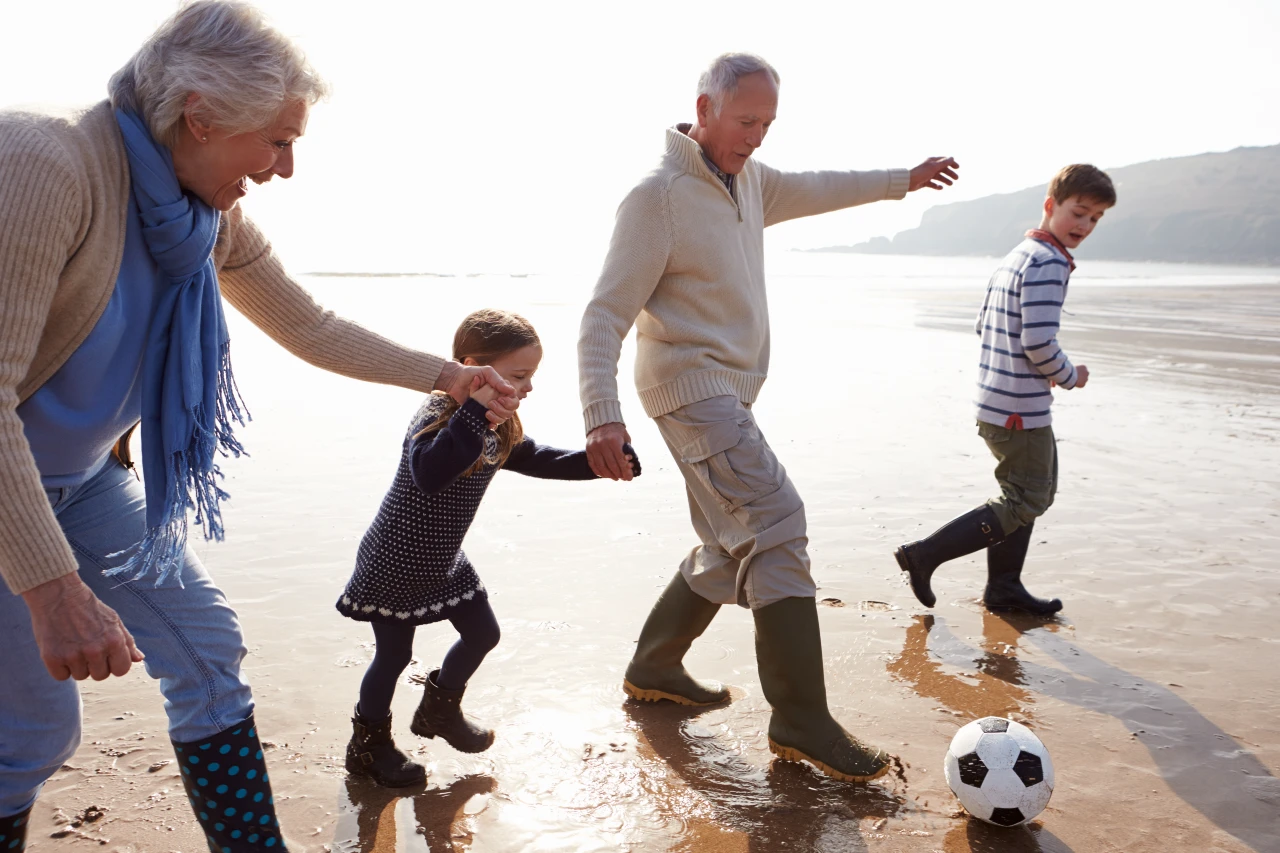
966, 739
1027, 739
1003, 789
1034, 799
1046, 763
974, 801
951, 769
998, 751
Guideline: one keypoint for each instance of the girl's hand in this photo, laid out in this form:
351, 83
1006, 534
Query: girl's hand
632, 459
482, 393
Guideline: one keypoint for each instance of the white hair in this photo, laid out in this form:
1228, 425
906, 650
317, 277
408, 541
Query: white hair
244, 71
720, 81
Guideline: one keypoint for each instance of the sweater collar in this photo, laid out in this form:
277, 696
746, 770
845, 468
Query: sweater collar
686, 152
1046, 236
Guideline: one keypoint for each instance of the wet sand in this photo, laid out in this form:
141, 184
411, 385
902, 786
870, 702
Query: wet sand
1155, 691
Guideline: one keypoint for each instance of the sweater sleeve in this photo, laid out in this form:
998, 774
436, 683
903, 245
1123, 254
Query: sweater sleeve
438, 459
790, 195
41, 210
254, 280
1044, 288
637, 258
548, 463
552, 463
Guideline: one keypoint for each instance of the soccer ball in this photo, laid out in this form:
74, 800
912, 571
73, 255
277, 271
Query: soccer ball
1000, 771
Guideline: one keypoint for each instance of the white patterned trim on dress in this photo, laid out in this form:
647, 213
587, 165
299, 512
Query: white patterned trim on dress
420, 612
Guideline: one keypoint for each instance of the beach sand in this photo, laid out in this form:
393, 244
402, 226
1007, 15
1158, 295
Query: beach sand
1155, 691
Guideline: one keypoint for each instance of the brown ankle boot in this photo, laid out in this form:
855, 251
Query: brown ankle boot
440, 713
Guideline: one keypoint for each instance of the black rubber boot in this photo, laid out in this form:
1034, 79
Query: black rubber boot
226, 781
976, 529
801, 728
440, 713
1004, 577
372, 752
656, 671
13, 832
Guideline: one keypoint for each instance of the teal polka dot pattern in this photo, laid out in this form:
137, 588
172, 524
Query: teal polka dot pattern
13, 832
224, 788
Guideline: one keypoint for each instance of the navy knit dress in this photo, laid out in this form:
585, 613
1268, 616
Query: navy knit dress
410, 568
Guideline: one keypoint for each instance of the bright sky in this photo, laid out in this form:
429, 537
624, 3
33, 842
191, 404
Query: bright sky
501, 136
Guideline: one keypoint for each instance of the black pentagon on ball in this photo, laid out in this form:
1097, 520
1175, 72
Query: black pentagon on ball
972, 770
1029, 768
990, 725
1006, 817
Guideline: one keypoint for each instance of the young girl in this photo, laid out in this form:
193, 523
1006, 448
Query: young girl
410, 568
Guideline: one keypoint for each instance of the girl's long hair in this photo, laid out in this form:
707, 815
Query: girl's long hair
485, 336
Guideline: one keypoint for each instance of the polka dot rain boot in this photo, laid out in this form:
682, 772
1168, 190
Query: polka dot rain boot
13, 832
226, 782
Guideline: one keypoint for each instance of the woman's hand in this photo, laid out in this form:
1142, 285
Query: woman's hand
79, 636
457, 380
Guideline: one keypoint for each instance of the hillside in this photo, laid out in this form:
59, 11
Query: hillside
1219, 208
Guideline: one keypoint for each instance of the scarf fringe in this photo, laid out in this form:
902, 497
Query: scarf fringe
192, 485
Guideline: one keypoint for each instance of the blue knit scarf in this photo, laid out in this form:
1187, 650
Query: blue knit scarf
189, 398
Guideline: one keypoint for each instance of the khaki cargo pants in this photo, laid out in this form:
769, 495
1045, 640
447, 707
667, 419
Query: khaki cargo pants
1026, 469
744, 508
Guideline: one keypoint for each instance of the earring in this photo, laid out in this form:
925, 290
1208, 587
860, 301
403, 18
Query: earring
204, 139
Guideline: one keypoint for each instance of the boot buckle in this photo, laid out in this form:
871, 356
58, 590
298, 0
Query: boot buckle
366, 758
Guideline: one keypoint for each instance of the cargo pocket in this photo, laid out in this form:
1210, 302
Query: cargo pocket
733, 462
994, 434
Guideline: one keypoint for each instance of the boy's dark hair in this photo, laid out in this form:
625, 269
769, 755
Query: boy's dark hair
1085, 181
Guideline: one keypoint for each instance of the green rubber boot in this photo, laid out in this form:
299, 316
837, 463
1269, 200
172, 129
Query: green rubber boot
789, 654
656, 671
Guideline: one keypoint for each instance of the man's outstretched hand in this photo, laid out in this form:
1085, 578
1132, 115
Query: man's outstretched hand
605, 453
934, 173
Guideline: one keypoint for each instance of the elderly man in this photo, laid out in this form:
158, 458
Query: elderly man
686, 266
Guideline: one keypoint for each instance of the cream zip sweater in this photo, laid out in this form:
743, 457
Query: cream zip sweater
686, 267
64, 184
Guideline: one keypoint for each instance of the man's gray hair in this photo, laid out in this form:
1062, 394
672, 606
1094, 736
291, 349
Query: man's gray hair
720, 81
244, 70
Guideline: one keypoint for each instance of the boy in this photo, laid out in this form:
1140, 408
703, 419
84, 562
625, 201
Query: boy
1020, 362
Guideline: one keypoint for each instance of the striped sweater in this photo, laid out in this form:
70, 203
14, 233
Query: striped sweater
1018, 324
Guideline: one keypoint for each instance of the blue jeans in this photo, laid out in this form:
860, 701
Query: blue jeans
191, 639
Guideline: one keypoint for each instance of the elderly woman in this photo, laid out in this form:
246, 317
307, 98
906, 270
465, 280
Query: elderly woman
119, 235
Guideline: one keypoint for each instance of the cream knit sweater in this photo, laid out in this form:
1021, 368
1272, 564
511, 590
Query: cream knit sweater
64, 184
686, 267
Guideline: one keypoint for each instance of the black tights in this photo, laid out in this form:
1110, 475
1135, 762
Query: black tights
478, 633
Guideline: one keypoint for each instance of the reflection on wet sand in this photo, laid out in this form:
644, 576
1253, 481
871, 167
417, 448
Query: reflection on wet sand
786, 805
994, 690
367, 821
1202, 764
